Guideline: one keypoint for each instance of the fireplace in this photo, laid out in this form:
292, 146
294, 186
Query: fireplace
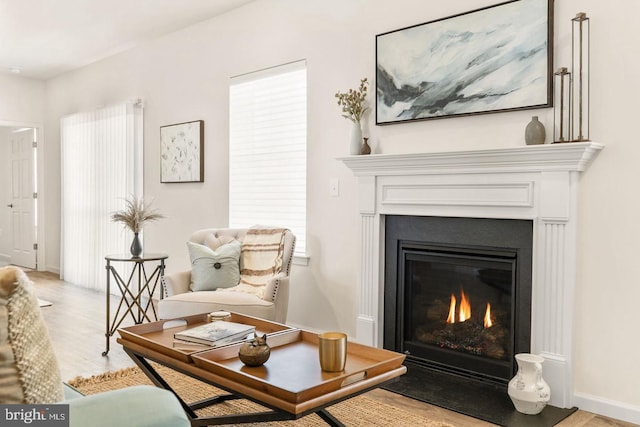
537, 184
457, 293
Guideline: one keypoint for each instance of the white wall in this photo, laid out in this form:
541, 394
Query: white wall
184, 77
21, 100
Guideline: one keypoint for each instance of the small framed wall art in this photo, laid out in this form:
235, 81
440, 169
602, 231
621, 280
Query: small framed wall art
488, 60
182, 152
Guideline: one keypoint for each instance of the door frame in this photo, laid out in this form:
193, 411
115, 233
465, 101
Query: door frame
40, 232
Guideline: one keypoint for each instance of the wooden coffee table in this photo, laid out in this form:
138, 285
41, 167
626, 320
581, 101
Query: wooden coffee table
290, 384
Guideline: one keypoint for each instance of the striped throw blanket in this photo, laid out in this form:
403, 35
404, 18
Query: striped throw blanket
260, 260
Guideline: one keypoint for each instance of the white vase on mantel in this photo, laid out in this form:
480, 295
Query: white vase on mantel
355, 143
528, 391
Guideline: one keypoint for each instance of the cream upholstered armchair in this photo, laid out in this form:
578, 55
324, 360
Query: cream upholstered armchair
244, 270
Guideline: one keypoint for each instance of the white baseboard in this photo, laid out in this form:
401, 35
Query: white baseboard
52, 269
609, 408
365, 330
4, 259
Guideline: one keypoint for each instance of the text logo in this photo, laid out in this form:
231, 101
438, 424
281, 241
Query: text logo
34, 415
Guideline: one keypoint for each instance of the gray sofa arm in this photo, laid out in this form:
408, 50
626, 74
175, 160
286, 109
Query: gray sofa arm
138, 406
176, 283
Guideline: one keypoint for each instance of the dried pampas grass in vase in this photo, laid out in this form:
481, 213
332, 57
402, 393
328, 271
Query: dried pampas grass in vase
133, 217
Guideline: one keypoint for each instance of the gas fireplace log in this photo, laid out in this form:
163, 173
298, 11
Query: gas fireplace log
468, 337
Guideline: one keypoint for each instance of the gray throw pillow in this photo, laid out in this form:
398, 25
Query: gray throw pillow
214, 269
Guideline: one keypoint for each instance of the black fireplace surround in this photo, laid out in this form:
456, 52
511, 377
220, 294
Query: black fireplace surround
432, 266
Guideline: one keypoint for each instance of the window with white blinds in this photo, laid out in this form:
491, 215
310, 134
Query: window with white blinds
268, 150
101, 165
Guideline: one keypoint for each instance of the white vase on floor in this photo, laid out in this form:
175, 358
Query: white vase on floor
355, 143
528, 391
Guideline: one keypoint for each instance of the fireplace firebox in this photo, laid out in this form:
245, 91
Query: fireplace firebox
458, 293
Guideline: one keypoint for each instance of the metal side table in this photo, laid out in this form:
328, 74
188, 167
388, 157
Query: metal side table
139, 285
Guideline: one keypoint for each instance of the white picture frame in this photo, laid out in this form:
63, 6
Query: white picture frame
182, 152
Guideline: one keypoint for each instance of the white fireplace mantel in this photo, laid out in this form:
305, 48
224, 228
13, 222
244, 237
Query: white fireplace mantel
538, 183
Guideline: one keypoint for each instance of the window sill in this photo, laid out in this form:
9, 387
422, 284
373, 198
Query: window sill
301, 260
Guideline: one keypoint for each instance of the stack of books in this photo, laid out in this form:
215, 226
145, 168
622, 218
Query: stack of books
216, 333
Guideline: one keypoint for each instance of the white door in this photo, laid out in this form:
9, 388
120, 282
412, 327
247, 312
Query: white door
22, 199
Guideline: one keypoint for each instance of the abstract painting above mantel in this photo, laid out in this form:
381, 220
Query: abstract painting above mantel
182, 152
488, 60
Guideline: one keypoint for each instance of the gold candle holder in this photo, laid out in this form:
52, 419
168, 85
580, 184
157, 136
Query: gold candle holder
561, 105
332, 349
580, 72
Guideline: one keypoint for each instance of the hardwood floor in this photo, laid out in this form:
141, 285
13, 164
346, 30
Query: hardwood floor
76, 322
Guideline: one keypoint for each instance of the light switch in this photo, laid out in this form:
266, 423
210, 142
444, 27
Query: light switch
334, 187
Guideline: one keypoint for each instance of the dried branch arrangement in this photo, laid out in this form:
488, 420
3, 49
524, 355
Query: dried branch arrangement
135, 214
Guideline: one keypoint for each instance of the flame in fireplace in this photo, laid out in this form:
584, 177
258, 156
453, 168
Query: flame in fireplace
464, 311
487, 317
465, 308
452, 310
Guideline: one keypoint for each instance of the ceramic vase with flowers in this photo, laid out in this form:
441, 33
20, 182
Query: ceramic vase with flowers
353, 103
133, 217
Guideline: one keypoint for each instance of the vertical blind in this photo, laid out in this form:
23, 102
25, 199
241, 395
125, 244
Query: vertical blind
101, 167
268, 150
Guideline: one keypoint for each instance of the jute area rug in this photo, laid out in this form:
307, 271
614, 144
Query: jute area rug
357, 411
